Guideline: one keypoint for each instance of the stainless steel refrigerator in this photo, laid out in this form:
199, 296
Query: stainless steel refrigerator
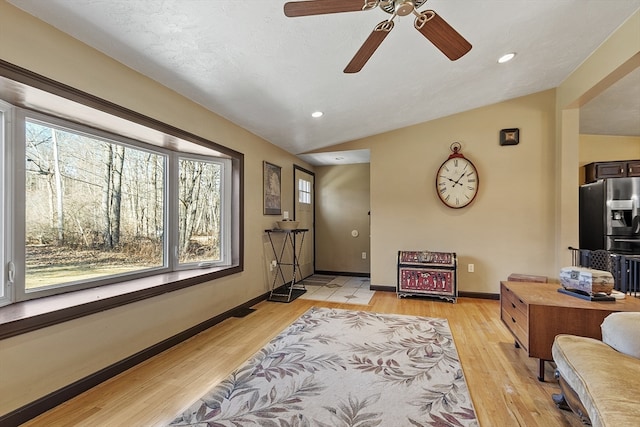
608, 217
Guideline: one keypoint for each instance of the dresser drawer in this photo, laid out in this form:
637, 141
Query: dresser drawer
514, 315
517, 326
508, 298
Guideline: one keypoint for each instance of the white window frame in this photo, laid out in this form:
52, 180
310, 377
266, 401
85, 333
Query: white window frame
225, 224
7, 268
304, 194
15, 197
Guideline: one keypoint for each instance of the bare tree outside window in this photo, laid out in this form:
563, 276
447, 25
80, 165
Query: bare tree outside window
199, 211
94, 208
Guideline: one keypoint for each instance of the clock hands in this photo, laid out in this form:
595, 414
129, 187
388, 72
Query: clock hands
457, 181
454, 182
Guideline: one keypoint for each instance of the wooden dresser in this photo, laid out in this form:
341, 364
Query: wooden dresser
536, 312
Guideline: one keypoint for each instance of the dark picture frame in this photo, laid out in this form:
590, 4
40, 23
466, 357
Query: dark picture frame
510, 136
272, 189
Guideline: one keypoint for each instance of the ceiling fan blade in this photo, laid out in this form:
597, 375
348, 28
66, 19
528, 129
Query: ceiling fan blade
320, 7
369, 46
442, 35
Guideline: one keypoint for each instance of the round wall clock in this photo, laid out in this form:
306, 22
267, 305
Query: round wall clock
457, 180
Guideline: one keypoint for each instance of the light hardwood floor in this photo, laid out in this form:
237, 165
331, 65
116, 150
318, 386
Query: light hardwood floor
501, 378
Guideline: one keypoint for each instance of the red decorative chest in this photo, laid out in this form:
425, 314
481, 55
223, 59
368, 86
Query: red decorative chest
427, 273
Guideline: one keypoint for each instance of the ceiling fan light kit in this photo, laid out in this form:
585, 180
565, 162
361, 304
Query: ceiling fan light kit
403, 8
428, 23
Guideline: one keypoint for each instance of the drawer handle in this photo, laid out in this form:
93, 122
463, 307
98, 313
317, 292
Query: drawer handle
513, 305
521, 302
513, 320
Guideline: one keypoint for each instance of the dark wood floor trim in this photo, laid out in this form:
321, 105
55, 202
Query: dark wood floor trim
480, 295
382, 288
35, 408
342, 273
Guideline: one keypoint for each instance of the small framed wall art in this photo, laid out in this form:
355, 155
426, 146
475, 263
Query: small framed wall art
510, 136
272, 175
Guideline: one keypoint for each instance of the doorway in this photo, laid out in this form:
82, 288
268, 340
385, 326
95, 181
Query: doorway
304, 208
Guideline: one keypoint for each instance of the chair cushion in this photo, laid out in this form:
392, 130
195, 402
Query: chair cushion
622, 332
605, 380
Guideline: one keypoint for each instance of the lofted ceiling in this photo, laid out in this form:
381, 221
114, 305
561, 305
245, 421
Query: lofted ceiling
616, 111
246, 61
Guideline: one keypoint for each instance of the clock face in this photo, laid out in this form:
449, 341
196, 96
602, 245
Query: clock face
457, 182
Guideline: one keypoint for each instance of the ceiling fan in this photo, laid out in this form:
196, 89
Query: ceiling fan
428, 23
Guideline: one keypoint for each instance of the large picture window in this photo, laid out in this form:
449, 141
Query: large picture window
92, 208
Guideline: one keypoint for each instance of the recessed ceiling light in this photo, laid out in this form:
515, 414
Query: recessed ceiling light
506, 58
317, 114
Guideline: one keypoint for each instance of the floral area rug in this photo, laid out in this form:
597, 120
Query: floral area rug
333, 368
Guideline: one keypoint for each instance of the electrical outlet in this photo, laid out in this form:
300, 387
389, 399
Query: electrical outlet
364, 255
470, 268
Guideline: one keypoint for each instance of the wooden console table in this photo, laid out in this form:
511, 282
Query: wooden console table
536, 312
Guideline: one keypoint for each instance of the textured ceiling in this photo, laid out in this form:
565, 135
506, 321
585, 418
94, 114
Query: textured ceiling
247, 62
616, 111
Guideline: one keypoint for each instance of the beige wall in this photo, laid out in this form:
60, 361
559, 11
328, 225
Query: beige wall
508, 228
526, 213
602, 148
35, 364
342, 205
511, 227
